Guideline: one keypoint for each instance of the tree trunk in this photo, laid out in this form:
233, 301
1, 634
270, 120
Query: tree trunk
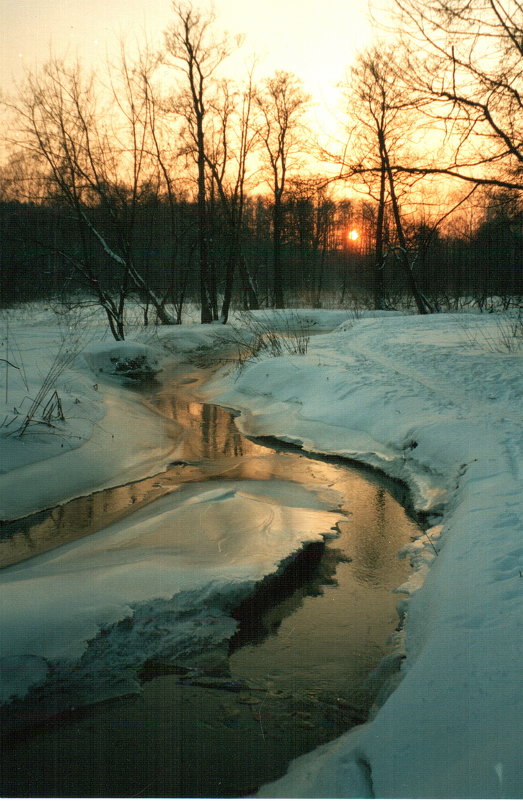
249, 290
421, 303
277, 286
206, 294
379, 284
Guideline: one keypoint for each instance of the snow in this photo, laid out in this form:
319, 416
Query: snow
194, 553
124, 359
108, 437
434, 401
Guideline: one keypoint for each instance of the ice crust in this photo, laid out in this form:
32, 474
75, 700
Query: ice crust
159, 585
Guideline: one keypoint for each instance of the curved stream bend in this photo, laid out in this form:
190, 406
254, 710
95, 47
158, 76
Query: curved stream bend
297, 669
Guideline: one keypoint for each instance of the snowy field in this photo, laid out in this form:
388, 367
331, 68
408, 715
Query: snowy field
434, 401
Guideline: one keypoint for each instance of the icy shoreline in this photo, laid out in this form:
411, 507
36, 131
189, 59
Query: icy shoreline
411, 397
79, 622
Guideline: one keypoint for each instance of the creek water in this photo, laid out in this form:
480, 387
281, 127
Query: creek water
299, 664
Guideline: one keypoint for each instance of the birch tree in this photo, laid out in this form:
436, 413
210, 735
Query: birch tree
93, 147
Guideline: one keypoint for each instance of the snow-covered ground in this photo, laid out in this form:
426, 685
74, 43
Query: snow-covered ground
81, 620
434, 401
107, 437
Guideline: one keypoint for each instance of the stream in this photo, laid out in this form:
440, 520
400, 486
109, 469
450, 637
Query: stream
299, 667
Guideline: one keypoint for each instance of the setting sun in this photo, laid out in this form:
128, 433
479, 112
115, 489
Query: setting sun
353, 235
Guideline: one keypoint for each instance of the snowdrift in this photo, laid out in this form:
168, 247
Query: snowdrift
107, 436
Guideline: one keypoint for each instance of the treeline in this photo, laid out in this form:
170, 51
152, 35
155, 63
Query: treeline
321, 263
42, 249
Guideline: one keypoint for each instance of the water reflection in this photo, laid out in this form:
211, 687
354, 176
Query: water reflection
208, 431
210, 447
306, 651
332, 631
383, 517
307, 576
40, 532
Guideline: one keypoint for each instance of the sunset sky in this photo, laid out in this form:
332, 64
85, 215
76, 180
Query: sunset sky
316, 39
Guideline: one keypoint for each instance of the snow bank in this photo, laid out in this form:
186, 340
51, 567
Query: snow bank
160, 584
313, 319
123, 359
431, 401
301, 320
118, 438
38, 361
186, 339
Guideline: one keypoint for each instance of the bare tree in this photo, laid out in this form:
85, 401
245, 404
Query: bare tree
282, 103
197, 55
171, 176
96, 163
138, 162
380, 109
232, 140
466, 58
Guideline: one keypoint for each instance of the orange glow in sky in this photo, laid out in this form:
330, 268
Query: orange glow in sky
353, 235
314, 39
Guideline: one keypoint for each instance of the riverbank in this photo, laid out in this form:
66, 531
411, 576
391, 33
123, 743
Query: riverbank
436, 402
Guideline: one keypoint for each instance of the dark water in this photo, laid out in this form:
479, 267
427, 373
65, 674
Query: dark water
299, 664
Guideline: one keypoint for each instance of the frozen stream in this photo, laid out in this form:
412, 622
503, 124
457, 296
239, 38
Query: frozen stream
230, 711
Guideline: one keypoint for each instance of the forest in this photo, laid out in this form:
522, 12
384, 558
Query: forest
159, 177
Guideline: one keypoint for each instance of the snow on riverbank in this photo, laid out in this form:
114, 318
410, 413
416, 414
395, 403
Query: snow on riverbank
430, 400
158, 585
107, 436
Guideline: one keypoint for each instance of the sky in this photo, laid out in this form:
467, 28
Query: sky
316, 39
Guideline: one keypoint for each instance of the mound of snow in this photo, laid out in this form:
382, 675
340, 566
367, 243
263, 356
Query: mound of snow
159, 584
103, 437
124, 359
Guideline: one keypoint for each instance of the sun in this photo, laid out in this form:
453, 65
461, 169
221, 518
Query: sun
353, 235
